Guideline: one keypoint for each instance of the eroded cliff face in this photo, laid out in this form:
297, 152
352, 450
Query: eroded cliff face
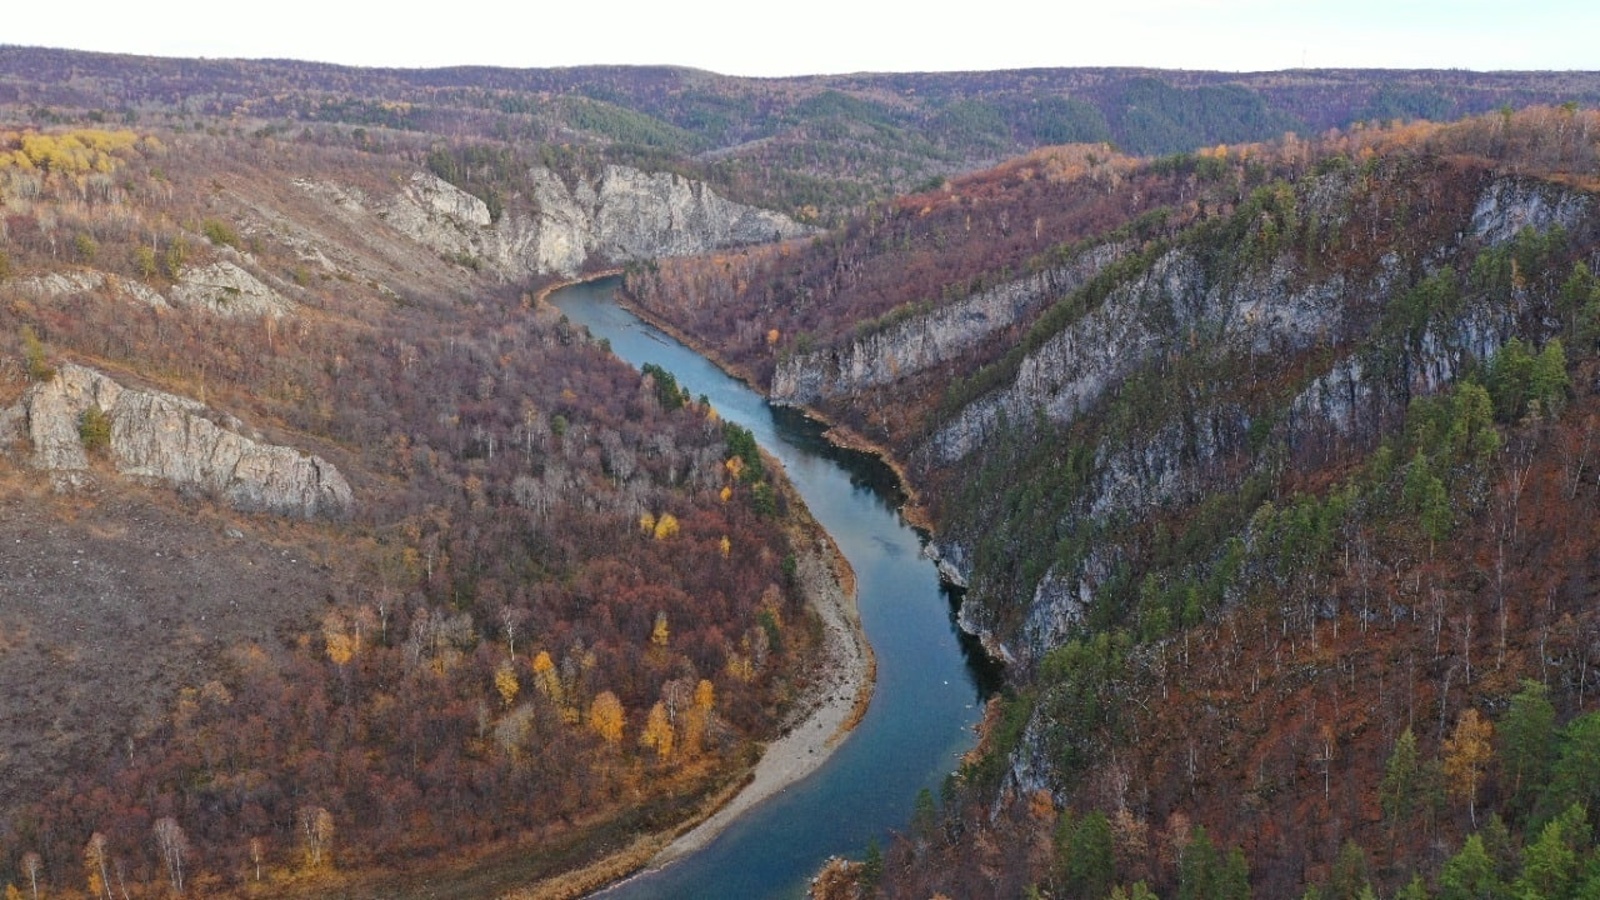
224, 289
1175, 301
1344, 403
924, 341
619, 215
1279, 309
172, 440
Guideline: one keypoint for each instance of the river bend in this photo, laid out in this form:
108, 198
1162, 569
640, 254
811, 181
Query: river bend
929, 688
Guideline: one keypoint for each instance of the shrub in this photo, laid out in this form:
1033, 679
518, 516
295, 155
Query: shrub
94, 429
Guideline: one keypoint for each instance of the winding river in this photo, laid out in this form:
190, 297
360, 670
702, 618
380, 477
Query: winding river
930, 681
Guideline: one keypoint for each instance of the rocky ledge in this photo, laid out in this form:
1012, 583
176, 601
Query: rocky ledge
161, 437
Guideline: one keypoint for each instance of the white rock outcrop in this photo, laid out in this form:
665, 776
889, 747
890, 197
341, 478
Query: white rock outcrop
165, 438
619, 215
82, 281
1510, 204
938, 336
226, 290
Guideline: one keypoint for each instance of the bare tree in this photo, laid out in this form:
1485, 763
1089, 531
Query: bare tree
316, 828
94, 860
173, 846
31, 863
1575, 446
511, 620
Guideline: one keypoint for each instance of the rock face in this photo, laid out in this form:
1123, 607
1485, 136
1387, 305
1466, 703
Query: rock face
60, 284
226, 290
1276, 308
922, 342
1512, 204
1152, 315
622, 214
222, 288
166, 438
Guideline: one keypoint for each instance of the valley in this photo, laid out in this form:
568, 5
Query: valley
1250, 418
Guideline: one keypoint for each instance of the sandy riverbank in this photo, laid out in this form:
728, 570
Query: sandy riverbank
837, 701
834, 708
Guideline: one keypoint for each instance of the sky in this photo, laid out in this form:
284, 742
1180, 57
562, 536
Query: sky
838, 36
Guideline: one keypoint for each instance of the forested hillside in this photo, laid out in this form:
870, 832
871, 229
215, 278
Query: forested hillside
1265, 468
336, 563
556, 608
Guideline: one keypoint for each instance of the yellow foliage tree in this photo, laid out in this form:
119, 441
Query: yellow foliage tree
342, 645
545, 678
740, 667
725, 546
606, 716
658, 732
647, 523
666, 526
505, 682
316, 832
660, 633
727, 491
698, 717
79, 152
1467, 752
94, 865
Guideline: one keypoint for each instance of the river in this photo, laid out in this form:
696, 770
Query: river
931, 682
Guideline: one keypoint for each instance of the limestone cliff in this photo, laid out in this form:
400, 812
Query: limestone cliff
619, 215
924, 341
79, 281
172, 440
1279, 308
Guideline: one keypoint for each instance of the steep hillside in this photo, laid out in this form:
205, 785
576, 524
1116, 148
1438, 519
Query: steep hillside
330, 560
1257, 465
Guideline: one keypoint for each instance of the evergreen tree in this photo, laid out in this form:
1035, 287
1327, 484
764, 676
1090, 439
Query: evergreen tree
1575, 778
1399, 791
1527, 744
1091, 862
1469, 875
1550, 864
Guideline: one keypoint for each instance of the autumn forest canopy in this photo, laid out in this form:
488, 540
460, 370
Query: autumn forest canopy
1257, 412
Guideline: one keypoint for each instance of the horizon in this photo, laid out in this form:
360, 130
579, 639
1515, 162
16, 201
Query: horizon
836, 37
6, 46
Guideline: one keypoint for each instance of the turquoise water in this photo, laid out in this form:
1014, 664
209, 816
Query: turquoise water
931, 683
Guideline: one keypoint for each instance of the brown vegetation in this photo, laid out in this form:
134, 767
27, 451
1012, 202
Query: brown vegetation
409, 688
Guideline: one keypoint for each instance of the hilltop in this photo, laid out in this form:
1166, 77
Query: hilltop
818, 148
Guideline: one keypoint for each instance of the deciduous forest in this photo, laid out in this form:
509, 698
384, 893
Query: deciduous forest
1255, 414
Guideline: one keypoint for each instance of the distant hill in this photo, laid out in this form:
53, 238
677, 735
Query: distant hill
813, 146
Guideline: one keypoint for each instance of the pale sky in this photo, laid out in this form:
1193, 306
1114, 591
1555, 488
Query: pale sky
833, 36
